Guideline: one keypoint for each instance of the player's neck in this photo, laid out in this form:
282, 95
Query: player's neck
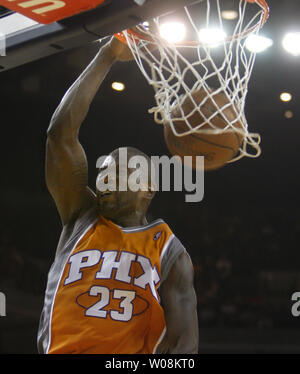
135, 219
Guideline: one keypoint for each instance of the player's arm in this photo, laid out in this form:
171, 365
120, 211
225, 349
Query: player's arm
66, 163
180, 306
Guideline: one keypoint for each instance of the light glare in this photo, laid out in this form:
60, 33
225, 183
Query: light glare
118, 86
288, 114
291, 43
212, 37
229, 15
286, 97
172, 32
257, 43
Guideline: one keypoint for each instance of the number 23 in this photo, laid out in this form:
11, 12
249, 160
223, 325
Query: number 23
96, 310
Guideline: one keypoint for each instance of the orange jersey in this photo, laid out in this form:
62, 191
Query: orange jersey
102, 292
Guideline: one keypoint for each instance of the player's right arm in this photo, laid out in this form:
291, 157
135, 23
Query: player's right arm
66, 163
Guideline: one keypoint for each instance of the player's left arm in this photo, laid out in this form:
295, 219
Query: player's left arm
179, 302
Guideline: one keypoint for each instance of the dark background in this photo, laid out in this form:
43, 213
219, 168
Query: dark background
243, 237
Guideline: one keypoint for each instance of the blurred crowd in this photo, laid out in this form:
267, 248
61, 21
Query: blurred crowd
25, 272
246, 270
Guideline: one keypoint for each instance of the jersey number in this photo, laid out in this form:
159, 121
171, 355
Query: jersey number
126, 297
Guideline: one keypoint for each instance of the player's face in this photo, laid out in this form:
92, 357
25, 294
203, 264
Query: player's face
112, 202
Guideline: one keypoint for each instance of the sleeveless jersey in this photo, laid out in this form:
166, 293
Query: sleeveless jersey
102, 290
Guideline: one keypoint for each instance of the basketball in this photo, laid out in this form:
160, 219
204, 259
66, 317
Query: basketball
217, 149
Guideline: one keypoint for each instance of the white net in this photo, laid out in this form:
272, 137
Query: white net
211, 55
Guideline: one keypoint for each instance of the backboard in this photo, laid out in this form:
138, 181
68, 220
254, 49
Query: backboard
29, 40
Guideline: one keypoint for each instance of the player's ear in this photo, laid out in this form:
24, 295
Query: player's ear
149, 194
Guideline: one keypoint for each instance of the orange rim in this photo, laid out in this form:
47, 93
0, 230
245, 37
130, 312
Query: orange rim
137, 36
263, 4
133, 34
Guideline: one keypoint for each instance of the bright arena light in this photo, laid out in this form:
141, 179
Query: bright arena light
173, 32
230, 15
286, 97
118, 86
257, 43
212, 37
288, 114
291, 43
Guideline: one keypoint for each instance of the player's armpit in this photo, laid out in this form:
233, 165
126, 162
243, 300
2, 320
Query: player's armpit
180, 306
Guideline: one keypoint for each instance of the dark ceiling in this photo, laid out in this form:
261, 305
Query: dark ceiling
253, 192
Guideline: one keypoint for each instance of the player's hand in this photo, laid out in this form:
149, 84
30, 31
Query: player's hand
120, 50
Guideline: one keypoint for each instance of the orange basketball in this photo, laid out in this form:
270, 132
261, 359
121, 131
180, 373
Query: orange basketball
217, 149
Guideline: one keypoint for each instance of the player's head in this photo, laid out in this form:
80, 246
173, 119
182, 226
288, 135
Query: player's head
124, 185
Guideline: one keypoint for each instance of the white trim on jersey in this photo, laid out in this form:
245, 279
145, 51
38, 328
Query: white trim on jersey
166, 246
159, 340
58, 283
141, 228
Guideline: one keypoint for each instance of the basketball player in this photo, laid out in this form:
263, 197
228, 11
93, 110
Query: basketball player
118, 284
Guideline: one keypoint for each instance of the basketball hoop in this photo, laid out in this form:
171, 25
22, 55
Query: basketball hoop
177, 69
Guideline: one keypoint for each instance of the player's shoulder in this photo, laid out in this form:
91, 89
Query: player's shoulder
173, 239
76, 227
172, 251
175, 258
160, 224
162, 233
